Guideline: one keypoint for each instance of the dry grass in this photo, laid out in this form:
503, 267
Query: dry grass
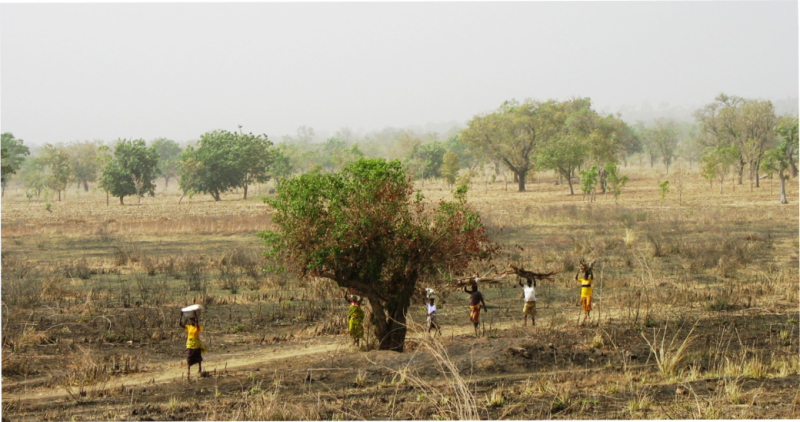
92, 277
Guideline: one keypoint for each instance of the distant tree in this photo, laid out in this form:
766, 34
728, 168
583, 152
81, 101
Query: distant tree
225, 160
431, 157
566, 151
212, 167
664, 188
450, 167
255, 157
362, 229
13, 155
335, 154
131, 171
455, 145
512, 133
57, 166
102, 158
82, 159
282, 165
664, 135
747, 125
169, 157
589, 182
34, 177
787, 131
778, 161
717, 163
615, 180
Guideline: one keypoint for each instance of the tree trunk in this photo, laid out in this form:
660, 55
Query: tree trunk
59, 196
215, 195
390, 324
107, 199
245, 191
783, 188
521, 179
741, 172
121, 202
85, 186
758, 183
569, 181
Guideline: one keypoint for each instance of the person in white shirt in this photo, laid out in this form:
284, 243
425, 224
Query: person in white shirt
432, 316
530, 301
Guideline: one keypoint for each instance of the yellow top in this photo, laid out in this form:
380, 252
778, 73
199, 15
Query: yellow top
586, 291
193, 336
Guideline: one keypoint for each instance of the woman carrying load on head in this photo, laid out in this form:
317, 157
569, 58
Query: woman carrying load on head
194, 349
355, 318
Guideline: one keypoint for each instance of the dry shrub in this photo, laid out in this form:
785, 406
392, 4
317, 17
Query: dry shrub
193, 273
451, 395
80, 269
669, 356
22, 283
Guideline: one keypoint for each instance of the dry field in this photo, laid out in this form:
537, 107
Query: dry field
696, 316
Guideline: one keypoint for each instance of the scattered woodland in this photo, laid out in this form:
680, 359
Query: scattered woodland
696, 271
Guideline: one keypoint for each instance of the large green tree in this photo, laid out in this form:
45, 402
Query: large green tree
225, 160
13, 154
364, 229
169, 157
512, 133
131, 171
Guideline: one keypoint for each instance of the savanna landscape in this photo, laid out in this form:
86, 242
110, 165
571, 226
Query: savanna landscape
695, 315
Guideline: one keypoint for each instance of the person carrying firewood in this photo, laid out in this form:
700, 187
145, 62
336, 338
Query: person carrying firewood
355, 318
586, 287
530, 290
530, 301
475, 302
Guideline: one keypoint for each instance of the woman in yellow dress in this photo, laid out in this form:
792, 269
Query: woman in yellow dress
194, 349
355, 318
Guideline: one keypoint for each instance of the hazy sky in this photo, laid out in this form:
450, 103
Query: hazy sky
104, 71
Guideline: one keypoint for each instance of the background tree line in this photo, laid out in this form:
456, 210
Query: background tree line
731, 138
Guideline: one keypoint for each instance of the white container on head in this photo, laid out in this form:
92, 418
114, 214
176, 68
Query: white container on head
191, 311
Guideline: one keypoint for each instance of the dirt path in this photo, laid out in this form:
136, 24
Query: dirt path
175, 371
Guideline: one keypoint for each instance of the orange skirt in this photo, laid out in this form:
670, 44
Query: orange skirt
586, 304
475, 313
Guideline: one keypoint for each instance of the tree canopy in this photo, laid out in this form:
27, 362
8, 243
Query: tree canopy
169, 157
363, 229
13, 154
131, 171
225, 160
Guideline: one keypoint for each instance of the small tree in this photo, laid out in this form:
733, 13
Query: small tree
83, 163
450, 167
718, 162
664, 187
13, 154
131, 171
57, 165
169, 156
778, 161
362, 228
589, 182
615, 181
